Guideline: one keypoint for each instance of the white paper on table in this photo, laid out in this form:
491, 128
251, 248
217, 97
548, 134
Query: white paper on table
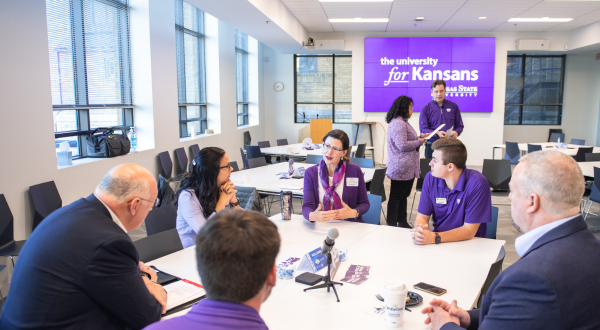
180, 292
434, 132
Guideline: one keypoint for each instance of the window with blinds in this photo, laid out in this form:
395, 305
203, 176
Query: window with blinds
90, 68
191, 73
241, 65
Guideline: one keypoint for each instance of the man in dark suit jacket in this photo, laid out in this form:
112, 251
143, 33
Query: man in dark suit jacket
79, 268
555, 284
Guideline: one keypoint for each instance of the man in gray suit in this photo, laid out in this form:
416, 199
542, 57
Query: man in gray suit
556, 283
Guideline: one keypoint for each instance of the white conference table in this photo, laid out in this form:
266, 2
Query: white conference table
267, 179
459, 267
296, 150
571, 151
588, 168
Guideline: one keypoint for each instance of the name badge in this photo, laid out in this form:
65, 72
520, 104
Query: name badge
448, 109
352, 182
440, 201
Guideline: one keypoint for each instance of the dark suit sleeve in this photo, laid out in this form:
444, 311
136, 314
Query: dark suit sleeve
362, 199
114, 282
474, 313
310, 200
522, 300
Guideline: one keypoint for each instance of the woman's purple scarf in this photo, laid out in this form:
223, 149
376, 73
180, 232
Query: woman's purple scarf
338, 175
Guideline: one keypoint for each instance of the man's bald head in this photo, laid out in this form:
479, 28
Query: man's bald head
127, 181
553, 176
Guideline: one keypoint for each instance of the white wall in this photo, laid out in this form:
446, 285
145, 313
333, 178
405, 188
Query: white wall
581, 104
482, 130
27, 154
279, 106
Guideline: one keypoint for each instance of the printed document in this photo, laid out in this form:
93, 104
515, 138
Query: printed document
180, 292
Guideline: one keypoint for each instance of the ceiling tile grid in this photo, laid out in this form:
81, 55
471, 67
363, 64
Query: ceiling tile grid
444, 15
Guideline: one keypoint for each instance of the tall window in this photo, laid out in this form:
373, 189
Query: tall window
323, 88
534, 90
89, 68
241, 79
191, 73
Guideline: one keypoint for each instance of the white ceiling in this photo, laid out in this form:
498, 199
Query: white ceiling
444, 15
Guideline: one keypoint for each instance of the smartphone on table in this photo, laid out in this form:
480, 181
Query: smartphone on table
430, 288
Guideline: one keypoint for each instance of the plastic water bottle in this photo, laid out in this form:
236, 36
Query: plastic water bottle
133, 139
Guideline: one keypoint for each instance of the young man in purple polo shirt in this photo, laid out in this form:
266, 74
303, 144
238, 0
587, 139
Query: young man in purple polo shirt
236, 253
458, 199
439, 111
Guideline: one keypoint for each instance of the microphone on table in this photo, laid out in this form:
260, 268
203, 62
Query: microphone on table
329, 241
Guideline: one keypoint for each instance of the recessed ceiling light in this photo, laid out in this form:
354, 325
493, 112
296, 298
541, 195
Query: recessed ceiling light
542, 19
482, 17
356, 0
420, 18
358, 20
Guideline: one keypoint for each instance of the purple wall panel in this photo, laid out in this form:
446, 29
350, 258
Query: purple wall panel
407, 66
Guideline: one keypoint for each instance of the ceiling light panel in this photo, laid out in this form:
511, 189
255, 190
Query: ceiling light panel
540, 20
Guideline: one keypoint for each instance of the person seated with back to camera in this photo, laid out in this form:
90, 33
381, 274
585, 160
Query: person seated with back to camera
332, 177
205, 190
458, 199
237, 285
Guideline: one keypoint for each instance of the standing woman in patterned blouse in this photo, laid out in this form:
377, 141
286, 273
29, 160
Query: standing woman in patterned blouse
403, 167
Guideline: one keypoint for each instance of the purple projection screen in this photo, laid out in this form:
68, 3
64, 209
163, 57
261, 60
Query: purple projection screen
408, 66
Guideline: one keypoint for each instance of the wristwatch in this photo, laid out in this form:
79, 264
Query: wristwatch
438, 239
422, 135
357, 214
232, 205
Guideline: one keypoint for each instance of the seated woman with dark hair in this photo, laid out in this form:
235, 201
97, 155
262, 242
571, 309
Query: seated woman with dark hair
335, 188
204, 191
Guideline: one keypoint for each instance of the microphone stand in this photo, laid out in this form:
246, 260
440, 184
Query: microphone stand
328, 282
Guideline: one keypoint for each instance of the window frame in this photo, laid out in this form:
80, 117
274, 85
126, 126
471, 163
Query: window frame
333, 103
523, 104
82, 106
202, 119
244, 103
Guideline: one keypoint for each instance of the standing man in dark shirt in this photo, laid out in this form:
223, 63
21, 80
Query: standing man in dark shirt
439, 111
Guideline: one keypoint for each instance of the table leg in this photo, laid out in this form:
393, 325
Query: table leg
372, 145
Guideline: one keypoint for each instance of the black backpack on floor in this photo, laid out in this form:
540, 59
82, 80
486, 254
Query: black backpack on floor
107, 144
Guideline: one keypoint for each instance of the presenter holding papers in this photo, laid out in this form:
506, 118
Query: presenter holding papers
335, 188
437, 112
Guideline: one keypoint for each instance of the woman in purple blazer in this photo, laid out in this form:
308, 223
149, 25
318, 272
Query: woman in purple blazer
402, 159
335, 188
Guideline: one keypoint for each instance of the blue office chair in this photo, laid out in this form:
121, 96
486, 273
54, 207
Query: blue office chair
492, 226
512, 152
363, 162
533, 147
373, 215
555, 136
579, 142
313, 159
